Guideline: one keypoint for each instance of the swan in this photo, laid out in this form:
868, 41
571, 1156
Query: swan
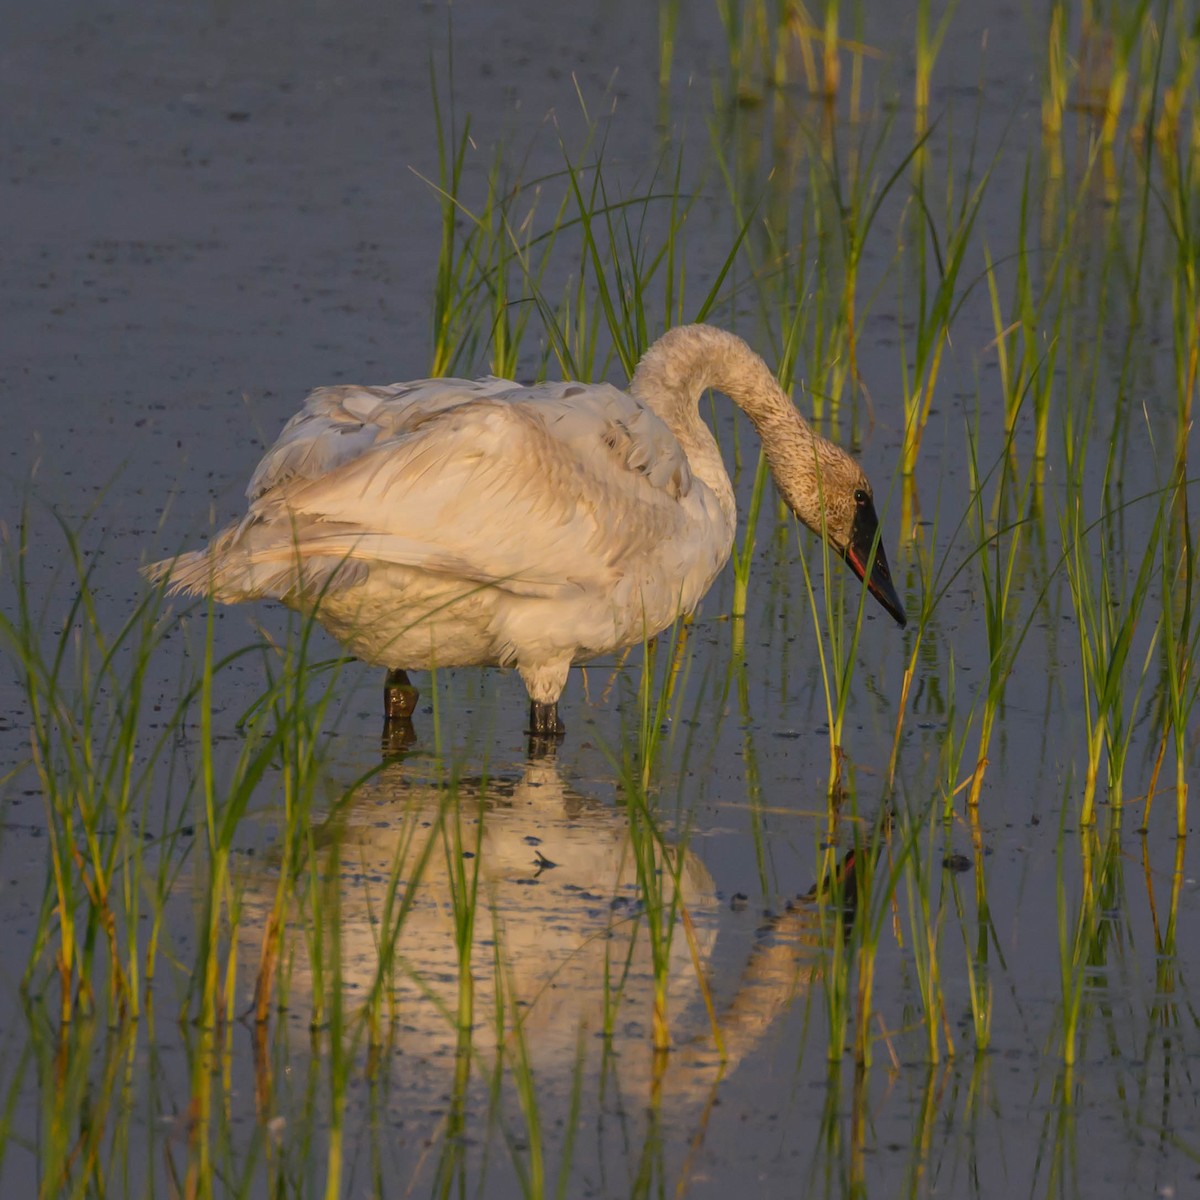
455, 522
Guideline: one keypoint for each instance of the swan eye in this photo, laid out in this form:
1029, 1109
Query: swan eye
861, 498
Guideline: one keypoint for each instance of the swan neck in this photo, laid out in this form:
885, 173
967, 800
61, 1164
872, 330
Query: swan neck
688, 360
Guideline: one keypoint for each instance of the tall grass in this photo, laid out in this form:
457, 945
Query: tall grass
930, 37
932, 282
86, 688
1108, 608
576, 268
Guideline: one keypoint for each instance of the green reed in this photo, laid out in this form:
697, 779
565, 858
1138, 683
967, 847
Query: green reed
625, 264
749, 34
462, 861
839, 947
1087, 943
854, 193
1056, 84
280, 738
659, 860
934, 307
998, 557
1116, 47
831, 68
929, 40
1029, 336
1108, 609
453, 320
96, 750
397, 896
488, 247
918, 833
1181, 633
1179, 81
668, 28
527, 1149
613, 250
879, 864
1180, 680
837, 651
284, 735
979, 955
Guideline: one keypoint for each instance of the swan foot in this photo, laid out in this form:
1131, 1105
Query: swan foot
399, 697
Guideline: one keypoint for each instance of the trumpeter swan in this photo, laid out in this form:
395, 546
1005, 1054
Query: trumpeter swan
454, 522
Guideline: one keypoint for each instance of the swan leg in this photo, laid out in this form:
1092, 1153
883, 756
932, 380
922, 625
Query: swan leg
399, 697
544, 721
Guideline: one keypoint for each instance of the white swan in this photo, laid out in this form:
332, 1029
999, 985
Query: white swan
452, 522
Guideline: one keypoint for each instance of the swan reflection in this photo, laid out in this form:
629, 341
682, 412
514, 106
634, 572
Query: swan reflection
561, 946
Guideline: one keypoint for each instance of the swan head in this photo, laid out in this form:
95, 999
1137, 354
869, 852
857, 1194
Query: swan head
821, 483
857, 553
833, 497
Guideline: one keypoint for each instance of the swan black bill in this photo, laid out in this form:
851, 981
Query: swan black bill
857, 554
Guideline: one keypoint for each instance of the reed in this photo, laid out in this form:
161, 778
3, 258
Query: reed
1181, 634
97, 752
929, 39
1179, 78
1063, 508
943, 257
1108, 608
452, 291
1179, 688
488, 247
659, 860
1056, 86
999, 553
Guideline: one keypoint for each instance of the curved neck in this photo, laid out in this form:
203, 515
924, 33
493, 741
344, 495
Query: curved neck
675, 372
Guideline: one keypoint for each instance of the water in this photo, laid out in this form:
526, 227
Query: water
218, 207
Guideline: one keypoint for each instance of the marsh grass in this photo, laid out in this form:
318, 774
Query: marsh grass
1181, 634
488, 245
581, 268
1000, 552
1057, 81
922, 878
1180, 681
89, 712
657, 846
837, 648
1108, 609
942, 257
929, 39
878, 858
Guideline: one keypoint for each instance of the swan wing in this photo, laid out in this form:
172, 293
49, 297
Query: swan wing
337, 424
539, 490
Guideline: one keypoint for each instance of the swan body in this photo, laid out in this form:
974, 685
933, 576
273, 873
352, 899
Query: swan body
453, 522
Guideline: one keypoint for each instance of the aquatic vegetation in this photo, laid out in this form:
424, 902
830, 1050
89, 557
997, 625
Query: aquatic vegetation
803, 897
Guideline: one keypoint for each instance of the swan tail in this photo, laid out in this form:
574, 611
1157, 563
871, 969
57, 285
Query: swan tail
232, 572
217, 570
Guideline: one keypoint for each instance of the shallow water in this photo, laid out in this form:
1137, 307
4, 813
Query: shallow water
217, 207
